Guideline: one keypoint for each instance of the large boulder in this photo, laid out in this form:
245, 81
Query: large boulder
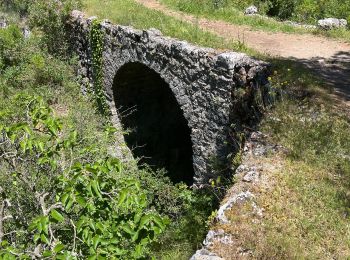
251, 10
331, 23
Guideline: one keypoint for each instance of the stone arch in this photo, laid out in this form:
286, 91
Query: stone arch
207, 85
159, 134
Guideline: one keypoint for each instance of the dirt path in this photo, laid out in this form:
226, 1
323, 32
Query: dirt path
328, 57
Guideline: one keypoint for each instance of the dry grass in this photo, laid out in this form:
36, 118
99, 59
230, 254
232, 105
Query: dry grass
304, 216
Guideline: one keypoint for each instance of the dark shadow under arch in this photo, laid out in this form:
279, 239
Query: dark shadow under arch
159, 133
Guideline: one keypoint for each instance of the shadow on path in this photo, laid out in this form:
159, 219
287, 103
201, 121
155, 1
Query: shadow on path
334, 71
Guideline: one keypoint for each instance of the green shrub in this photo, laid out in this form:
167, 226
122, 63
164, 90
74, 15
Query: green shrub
79, 137
64, 204
106, 207
282, 9
20, 6
10, 39
50, 16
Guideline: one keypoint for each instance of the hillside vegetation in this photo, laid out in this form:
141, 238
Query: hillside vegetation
306, 208
64, 195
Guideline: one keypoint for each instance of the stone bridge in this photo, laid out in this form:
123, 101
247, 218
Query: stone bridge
179, 101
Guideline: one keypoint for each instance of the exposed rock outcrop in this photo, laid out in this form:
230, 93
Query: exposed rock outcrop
331, 23
251, 10
3, 23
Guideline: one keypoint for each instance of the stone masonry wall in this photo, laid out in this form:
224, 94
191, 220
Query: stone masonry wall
202, 80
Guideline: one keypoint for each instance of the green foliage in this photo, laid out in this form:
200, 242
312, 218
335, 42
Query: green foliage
10, 39
114, 219
96, 40
232, 11
321, 139
20, 6
50, 16
301, 10
107, 208
98, 209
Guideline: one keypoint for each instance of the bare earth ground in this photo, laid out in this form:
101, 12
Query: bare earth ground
329, 58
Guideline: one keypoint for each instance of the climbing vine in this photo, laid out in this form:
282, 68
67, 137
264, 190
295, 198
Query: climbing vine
96, 40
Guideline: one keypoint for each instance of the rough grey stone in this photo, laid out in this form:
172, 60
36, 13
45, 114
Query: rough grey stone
201, 79
251, 176
236, 199
26, 32
217, 236
251, 10
204, 254
331, 23
3, 23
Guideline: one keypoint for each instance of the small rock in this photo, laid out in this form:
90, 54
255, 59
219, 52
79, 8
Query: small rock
3, 23
257, 210
331, 23
237, 199
251, 10
26, 33
155, 32
241, 168
251, 176
204, 254
209, 239
261, 150
255, 136
77, 14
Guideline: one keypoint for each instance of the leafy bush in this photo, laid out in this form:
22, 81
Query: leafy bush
20, 6
10, 38
50, 16
106, 207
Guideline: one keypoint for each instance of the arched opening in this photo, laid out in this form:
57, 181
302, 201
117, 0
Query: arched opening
159, 134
